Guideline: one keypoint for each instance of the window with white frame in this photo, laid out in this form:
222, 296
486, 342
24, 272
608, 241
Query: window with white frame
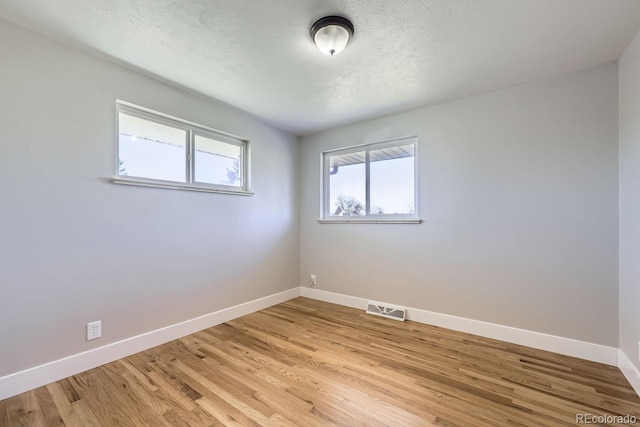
162, 151
371, 182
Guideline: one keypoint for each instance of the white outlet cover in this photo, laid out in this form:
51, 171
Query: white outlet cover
94, 330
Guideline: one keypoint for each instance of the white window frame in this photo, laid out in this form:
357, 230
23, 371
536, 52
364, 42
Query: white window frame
369, 218
191, 130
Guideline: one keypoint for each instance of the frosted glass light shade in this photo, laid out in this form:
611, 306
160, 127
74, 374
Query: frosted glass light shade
332, 34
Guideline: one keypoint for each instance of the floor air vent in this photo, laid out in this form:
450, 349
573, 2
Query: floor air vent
385, 310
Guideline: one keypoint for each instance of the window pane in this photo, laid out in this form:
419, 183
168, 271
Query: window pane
217, 162
347, 176
151, 150
392, 180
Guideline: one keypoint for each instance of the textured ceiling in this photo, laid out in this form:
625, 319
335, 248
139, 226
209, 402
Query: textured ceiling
258, 55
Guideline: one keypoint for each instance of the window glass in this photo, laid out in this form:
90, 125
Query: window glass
217, 162
347, 184
151, 150
392, 180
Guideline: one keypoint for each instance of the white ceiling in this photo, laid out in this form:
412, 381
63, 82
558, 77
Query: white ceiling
258, 55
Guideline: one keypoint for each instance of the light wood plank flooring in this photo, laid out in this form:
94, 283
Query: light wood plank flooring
309, 363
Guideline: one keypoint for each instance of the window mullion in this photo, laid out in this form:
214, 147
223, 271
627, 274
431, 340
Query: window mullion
190, 157
367, 181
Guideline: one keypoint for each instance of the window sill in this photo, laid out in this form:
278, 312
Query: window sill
141, 182
370, 221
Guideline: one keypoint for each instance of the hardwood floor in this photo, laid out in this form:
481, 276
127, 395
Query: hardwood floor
309, 363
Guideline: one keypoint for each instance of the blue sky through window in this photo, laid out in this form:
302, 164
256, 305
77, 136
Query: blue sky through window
392, 185
144, 158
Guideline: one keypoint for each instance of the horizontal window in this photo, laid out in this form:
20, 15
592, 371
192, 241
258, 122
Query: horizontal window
161, 151
370, 183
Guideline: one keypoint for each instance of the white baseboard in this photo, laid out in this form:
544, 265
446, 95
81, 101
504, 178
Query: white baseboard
340, 299
631, 373
38, 376
567, 346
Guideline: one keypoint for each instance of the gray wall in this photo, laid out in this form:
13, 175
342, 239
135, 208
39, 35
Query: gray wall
518, 193
629, 67
75, 247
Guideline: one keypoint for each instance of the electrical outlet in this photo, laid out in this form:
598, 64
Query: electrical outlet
94, 330
312, 280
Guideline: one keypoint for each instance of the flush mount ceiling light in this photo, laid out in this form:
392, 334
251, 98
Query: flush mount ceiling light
331, 34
